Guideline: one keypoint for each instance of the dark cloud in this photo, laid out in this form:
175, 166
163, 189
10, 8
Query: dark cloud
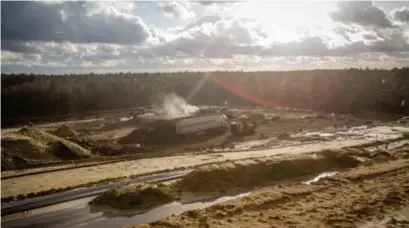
67, 21
401, 14
16, 46
361, 13
369, 36
346, 31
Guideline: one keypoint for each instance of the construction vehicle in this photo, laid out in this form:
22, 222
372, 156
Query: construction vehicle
242, 126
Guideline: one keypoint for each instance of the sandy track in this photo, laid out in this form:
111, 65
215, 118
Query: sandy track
354, 198
62, 179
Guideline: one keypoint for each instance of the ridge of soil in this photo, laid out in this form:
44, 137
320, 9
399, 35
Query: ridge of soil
349, 199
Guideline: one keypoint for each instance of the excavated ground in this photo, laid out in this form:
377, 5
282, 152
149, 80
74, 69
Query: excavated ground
295, 125
374, 193
30, 145
245, 175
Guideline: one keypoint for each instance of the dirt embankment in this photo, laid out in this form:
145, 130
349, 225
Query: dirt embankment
221, 178
140, 196
30, 145
254, 172
248, 173
244, 175
350, 199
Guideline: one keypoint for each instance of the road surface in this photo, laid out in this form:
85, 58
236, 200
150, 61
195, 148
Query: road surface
43, 201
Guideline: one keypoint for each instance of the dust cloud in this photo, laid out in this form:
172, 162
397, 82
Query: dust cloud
175, 106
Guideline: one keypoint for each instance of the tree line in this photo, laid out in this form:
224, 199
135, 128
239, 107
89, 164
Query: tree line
342, 91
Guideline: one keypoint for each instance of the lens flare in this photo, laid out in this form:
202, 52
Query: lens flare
255, 99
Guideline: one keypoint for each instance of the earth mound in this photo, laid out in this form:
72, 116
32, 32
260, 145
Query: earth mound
137, 196
31, 145
255, 172
65, 132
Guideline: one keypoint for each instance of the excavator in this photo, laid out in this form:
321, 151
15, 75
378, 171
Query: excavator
242, 126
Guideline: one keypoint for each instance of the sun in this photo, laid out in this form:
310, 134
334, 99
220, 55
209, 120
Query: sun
287, 21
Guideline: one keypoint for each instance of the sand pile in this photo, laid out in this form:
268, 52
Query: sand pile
137, 196
65, 132
51, 142
31, 144
252, 172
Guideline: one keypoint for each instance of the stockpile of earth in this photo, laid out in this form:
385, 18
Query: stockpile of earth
137, 196
248, 173
65, 132
30, 145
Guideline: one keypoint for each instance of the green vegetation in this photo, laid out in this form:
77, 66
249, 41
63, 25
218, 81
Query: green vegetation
348, 91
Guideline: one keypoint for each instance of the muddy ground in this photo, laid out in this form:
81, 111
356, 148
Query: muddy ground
373, 195
370, 188
250, 174
80, 176
106, 130
292, 132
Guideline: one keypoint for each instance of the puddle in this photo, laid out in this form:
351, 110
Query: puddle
251, 144
360, 132
388, 146
322, 175
379, 133
78, 214
106, 219
124, 119
177, 208
148, 114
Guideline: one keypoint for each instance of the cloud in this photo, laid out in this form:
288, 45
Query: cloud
211, 36
208, 3
78, 22
401, 14
369, 36
70, 36
203, 20
218, 37
311, 46
179, 10
363, 13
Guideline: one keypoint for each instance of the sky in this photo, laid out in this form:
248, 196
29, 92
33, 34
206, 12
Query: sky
101, 36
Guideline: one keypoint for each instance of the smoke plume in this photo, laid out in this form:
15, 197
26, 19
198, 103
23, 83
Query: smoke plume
175, 106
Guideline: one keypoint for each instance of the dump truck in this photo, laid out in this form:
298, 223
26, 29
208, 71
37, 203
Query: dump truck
176, 129
169, 131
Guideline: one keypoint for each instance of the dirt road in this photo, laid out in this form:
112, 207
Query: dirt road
368, 196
